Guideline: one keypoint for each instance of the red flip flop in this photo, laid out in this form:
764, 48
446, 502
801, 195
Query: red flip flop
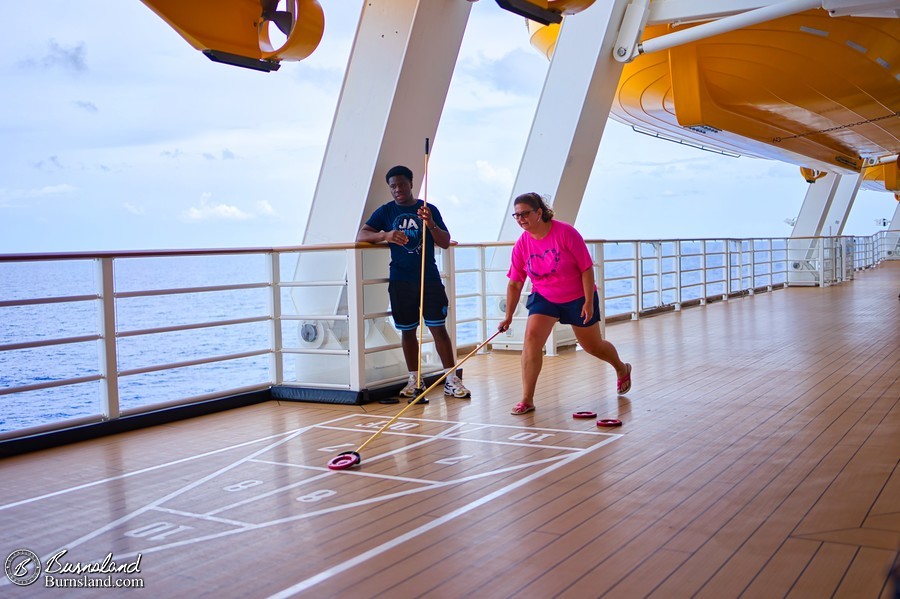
521, 408
623, 385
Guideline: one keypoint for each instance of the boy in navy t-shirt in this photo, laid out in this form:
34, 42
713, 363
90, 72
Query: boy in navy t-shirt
402, 223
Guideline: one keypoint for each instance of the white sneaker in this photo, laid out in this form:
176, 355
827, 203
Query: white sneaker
410, 390
454, 386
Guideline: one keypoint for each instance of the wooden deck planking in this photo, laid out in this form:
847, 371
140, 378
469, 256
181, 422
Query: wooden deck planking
759, 457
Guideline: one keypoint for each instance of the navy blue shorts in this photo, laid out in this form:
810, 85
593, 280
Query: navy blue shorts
405, 304
567, 313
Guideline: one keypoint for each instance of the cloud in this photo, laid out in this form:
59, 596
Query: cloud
7, 195
265, 208
210, 211
69, 59
488, 173
226, 154
139, 210
172, 153
88, 106
49, 164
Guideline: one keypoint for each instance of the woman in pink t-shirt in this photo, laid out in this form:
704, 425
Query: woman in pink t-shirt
554, 256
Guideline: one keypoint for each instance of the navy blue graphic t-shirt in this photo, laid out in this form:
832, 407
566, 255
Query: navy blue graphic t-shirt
406, 260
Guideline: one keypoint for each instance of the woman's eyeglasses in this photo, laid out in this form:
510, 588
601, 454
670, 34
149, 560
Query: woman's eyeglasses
521, 215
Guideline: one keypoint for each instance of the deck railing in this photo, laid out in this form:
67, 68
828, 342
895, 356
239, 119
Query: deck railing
88, 337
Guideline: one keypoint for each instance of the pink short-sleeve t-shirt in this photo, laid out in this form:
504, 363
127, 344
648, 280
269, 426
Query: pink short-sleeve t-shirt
554, 264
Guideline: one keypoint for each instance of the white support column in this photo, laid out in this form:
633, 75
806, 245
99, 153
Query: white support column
565, 135
844, 196
571, 114
816, 206
892, 237
895, 220
802, 253
394, 91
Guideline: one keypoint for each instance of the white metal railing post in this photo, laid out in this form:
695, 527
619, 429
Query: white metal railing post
752, 288
276, 339
821, 254
638, 282
677, 274
109, 365
356, 324
601, 286
728, 273
704, 266
448, 266
658, 250
482, 267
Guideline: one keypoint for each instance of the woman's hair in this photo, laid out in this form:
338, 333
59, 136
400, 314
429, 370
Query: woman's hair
535, 201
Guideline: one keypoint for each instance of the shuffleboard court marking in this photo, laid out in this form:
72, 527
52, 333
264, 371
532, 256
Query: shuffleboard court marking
312, 581
148, 469
443, 432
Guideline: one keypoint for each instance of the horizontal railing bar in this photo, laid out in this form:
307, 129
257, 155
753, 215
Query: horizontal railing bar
317, 352
332, 283
341, 317
188, 327
373, 315
381, 348
50, 384
51, 426
48, 300
49, 342
174, 365
196, 398
340, 386
183, 290
67, 256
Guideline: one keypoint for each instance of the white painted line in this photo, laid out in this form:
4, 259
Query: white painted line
266, 494
152, 468
110, 525
376, 551
370, 431
202, 517
451, 434
526, 444
404, 479
285, 520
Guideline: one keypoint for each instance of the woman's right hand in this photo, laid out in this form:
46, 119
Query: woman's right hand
504, 324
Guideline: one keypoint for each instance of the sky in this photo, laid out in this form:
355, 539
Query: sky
118, 135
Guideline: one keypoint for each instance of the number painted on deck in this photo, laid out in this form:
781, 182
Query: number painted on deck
158, 530
397, 426
244, 484
336, 447
316, 496
454, 460
530, 437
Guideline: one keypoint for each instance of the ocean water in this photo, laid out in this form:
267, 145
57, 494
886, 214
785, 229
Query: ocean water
27, 366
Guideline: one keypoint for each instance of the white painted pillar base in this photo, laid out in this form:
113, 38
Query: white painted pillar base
803, 254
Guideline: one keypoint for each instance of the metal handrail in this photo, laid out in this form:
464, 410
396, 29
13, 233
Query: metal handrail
654, 275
